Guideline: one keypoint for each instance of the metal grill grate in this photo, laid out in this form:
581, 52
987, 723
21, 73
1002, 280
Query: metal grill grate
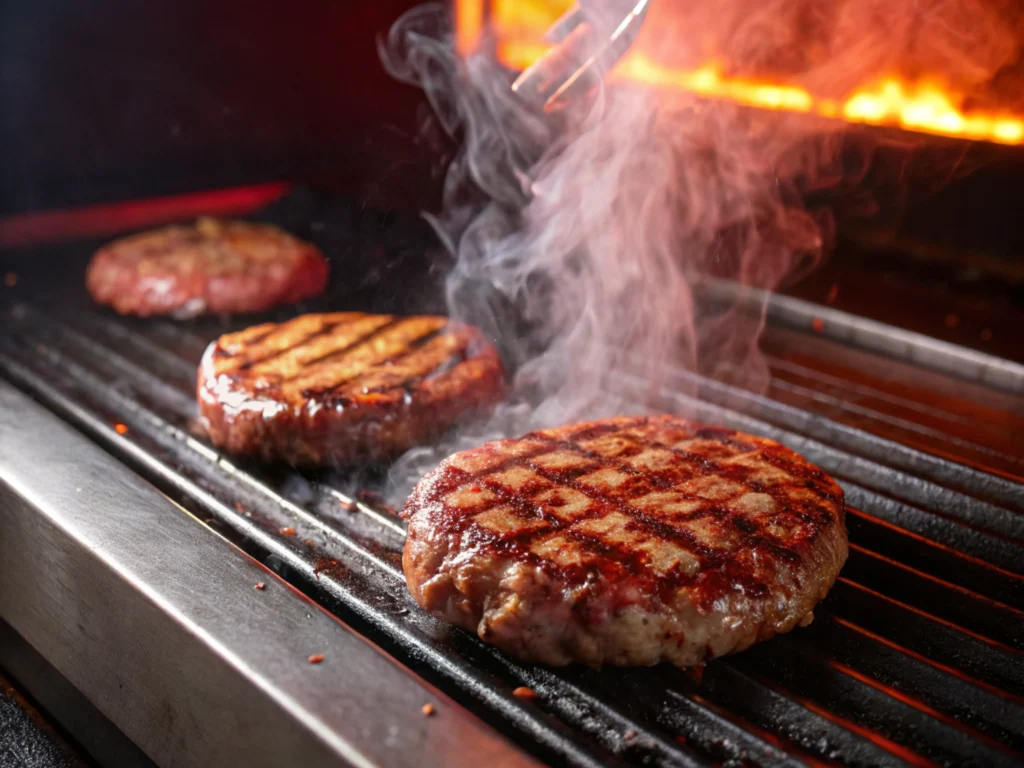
916, 657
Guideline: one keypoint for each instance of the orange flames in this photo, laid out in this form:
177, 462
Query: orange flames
921, 107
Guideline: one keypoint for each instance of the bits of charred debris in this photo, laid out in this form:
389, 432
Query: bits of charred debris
289, 531
695, 674
260, 586
524, 693
428, 709
121, 429
629, 735
316, 658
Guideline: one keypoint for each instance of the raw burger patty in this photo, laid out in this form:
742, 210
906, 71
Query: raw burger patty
216, 267
338, 388
627, 541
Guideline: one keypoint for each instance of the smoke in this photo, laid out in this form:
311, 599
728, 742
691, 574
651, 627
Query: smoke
580, 240
834, 46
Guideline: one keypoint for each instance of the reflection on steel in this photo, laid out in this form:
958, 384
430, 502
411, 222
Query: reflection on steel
876, 337
135, 602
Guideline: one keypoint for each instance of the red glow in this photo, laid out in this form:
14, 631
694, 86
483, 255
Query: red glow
924, 106
469, 24
115, 218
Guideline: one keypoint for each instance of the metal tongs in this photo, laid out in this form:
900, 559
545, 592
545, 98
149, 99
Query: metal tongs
589, 38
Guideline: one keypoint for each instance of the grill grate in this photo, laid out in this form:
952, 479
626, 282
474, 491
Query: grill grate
914, 658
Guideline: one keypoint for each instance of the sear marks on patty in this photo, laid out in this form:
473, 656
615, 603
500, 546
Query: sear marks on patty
626, 541
330, 389
214, 266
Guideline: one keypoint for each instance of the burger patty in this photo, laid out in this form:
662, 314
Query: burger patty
217, 267
337, 388
628, 541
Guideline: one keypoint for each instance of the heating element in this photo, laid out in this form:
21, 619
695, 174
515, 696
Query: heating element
916, 657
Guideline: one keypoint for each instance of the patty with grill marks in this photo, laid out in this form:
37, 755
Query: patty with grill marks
213, 266
331, 389
628, 541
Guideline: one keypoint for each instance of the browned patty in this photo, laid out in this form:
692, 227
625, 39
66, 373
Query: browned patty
217, 267
626, 541
336, 388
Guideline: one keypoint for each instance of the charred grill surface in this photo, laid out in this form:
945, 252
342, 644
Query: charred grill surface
337, 388
625, 541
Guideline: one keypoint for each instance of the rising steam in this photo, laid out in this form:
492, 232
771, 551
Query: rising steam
580, 241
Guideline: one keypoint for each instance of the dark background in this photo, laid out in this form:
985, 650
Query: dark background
105, 100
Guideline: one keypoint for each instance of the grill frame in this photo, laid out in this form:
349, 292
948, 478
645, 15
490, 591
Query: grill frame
917, 514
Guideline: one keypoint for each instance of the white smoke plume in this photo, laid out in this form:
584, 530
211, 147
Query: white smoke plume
580, 240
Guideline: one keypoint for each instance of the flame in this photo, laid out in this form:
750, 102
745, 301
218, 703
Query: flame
469, 24
920, 107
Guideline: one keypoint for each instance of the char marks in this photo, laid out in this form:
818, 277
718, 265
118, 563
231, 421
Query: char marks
666, 502
333, 355
333, 388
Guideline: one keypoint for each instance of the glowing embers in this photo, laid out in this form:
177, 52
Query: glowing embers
927, 108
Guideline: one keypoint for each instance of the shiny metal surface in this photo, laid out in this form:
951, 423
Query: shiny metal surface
158, 620
877, 337
589, 38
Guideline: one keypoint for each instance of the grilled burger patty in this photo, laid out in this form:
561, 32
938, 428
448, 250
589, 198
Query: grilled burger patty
217, 267
627, 541
336, 388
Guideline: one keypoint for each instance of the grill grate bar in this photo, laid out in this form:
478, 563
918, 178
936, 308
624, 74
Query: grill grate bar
895, 455
805, 373
928, 635
806, 673
958, 536
995, 714
921, 553
179, 400
157, 357
917, 433
763, 705
939, 499
947, 601
872, 335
